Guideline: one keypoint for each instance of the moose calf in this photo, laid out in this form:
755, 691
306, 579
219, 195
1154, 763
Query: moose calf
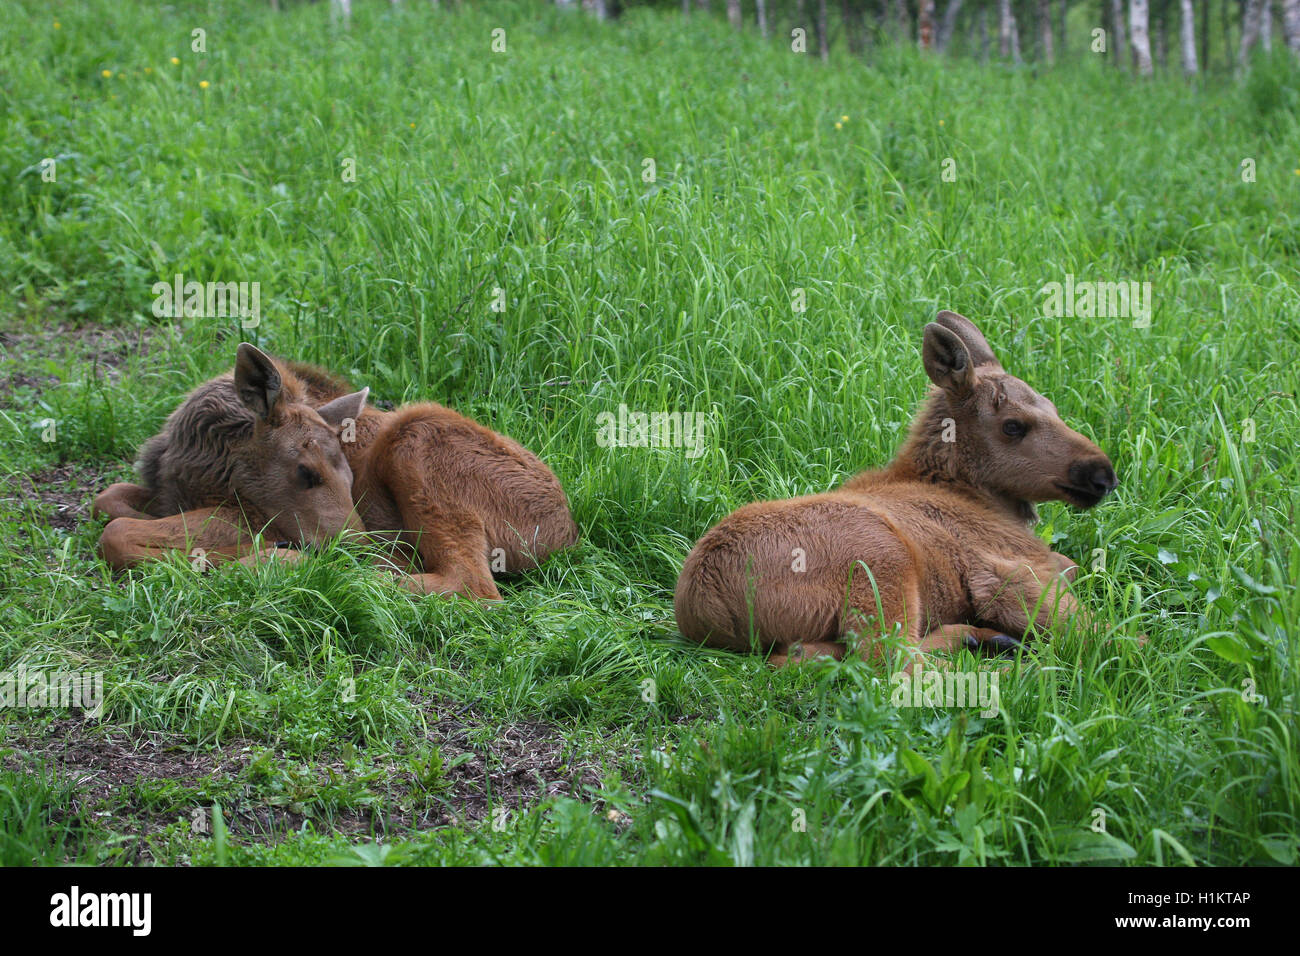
944, 530
265, 450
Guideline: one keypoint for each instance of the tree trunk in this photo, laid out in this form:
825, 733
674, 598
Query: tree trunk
1119, 40
925, 24
760, 10
1250, 23
1060, 30
1266, 26
984, 34
1141, 39
1045, 50
1015, 41
1291, 24
823, 35
1187, 36
902, 21
733, 13
1004, 28
948, 25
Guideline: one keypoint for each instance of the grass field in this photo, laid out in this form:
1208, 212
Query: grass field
332, 718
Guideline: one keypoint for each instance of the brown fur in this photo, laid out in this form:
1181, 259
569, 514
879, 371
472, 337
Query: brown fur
944, 529
251, 439
458, 499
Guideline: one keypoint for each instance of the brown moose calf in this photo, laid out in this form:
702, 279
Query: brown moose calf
266, 449
944, 530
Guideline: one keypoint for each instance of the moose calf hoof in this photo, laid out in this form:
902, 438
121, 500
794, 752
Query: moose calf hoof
993, 645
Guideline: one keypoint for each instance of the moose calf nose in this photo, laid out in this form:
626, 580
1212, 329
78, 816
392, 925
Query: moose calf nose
1096, 476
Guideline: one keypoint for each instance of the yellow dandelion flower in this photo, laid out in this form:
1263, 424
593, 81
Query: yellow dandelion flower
412, 126
844, 119
105, 73
940, 122
148, 70
203, 84
58, 25
176, 61
839, 125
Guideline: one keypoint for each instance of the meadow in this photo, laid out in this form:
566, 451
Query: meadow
661, 214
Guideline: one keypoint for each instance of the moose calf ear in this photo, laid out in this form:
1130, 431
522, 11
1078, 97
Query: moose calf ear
341, 409
973, 338
947, 360
256, 381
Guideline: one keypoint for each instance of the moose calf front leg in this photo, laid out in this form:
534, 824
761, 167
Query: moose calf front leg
123, 500
211, 534
1020, 596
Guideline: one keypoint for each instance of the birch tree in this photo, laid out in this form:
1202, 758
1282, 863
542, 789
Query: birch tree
1140, 37
1187, 36
925, 24
1291, 24
1045, 49
1250, 26
1004, 28
948, 24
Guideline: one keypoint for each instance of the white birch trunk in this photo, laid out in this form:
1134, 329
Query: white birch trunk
1291, 24
948, 25
1140, 38
1250, 21
1187, 37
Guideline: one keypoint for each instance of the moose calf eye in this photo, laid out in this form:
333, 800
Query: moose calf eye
308, 477
1014, 429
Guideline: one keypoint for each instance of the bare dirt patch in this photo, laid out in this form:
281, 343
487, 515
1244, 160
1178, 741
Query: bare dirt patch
62, 493
518, 766
106, 349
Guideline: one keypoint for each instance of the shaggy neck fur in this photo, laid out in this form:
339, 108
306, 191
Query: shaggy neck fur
926, 457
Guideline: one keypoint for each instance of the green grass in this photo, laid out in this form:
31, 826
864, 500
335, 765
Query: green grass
523, 171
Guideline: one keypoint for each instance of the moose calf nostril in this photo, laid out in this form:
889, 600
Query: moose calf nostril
1103, 478
1095, 477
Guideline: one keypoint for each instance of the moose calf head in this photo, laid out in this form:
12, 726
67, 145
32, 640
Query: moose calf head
1008, 439
292, 468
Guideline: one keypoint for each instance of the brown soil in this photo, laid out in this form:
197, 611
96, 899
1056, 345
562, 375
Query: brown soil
519, 766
